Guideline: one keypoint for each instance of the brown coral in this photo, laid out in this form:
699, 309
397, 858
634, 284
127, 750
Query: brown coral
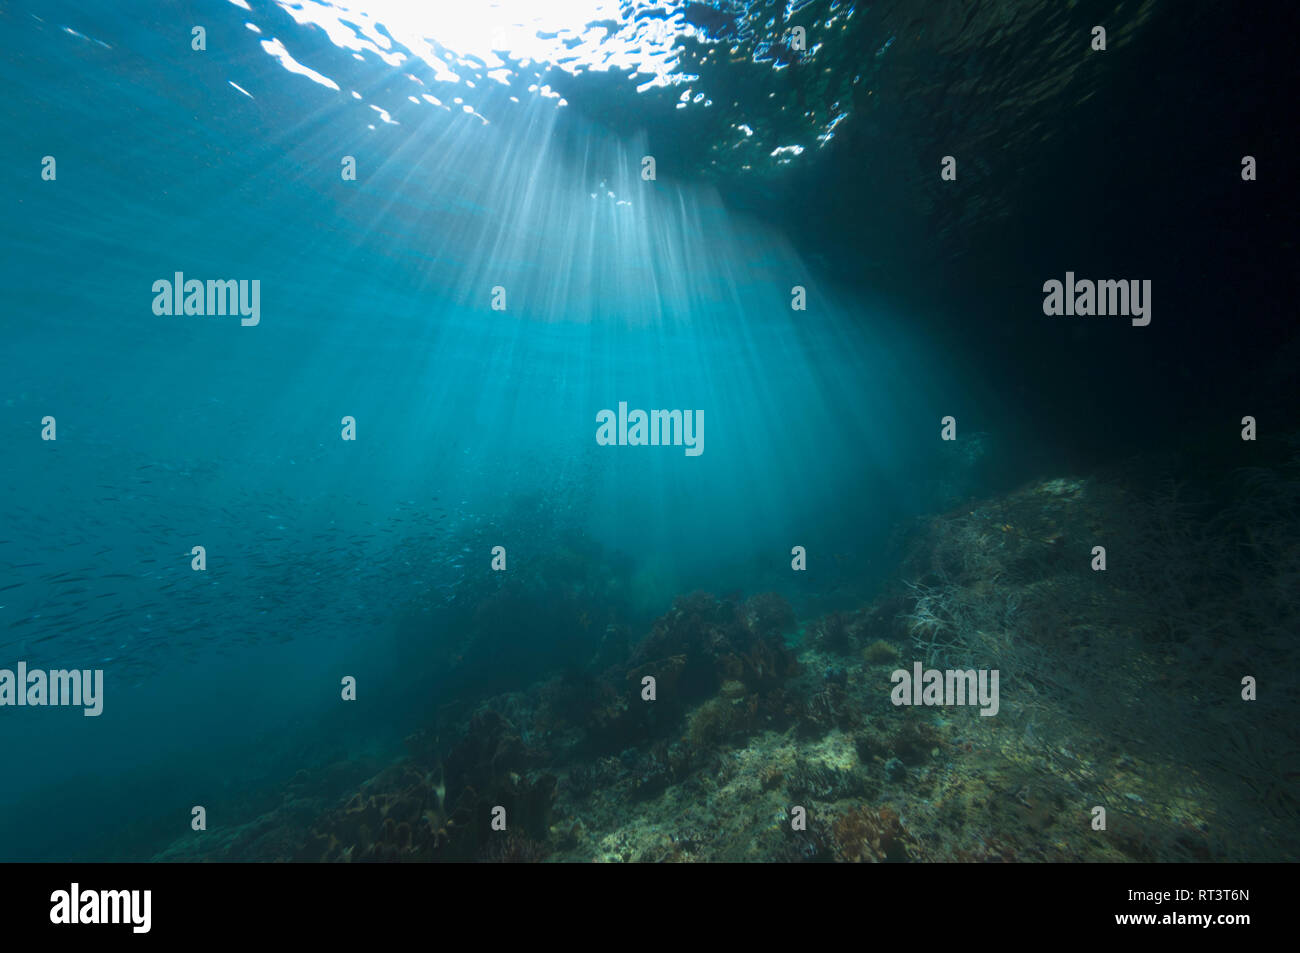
872, 835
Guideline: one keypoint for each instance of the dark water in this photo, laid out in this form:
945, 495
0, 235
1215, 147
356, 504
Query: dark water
472, 232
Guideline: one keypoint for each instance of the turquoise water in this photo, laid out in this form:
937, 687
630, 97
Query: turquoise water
460, 262
474, 427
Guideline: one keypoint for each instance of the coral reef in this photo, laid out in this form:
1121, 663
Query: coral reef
1109, 699
871, 835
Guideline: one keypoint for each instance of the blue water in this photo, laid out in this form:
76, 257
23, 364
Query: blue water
372, 547
475, 427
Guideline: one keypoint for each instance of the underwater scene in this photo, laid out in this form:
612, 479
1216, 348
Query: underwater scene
627, 431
